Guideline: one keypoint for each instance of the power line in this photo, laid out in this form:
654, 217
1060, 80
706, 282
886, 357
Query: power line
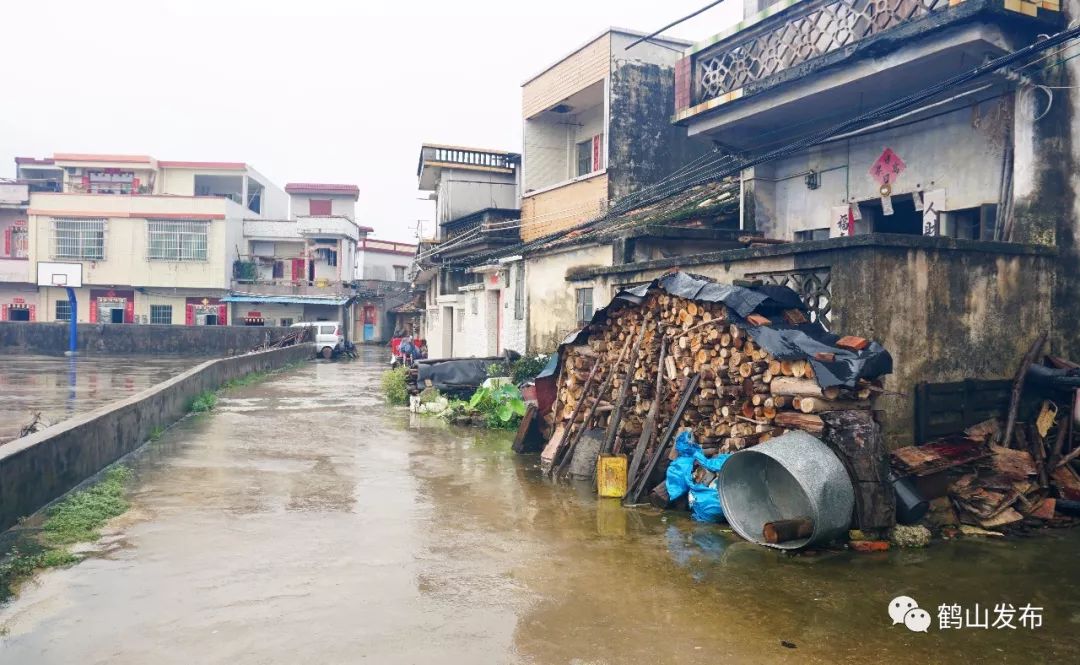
673, 24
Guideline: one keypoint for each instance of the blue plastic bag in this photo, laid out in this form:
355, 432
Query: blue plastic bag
704, 499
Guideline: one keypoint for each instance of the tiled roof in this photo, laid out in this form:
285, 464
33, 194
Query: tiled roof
321, 188
87, 157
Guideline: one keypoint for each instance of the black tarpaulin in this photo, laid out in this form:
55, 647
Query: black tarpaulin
783, 341
458, 373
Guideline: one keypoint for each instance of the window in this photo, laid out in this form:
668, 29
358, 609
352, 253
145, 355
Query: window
327, 330
399, 273
970, 223
178, 241
584, 157
519, 292
460, 316
584, 305
319, 207
474, 304
161, 314
63, 310
285, 323
812, 234
82, 239
328, 255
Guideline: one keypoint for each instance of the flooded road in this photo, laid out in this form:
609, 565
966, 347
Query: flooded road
60, 387
305, 522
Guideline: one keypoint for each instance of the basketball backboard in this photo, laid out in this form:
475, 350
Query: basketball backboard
53, 273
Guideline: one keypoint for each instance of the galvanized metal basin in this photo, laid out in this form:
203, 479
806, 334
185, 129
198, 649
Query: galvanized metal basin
791, 476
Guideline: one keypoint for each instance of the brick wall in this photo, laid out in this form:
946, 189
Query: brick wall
563, 207
588, 65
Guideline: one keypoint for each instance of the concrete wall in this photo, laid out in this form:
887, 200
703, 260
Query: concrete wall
514, 332
643, 145
464, 191
960, 152
944, 309
343, 205
39, 468
551, 298
113, 339
375, 264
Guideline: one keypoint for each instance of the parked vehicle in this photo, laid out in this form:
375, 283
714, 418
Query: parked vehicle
328, 338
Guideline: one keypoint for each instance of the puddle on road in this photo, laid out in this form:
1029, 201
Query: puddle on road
268, 533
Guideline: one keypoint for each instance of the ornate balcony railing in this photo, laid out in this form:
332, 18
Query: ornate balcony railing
799, 33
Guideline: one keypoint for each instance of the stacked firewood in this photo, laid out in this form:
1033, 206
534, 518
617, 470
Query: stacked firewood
741, 394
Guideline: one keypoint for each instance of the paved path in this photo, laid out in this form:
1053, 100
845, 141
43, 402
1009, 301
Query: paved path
305, 522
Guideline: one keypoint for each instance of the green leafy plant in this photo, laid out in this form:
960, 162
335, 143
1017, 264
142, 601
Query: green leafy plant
395, 385
495, 370
527, 368
75, 518
204, 401
502, 407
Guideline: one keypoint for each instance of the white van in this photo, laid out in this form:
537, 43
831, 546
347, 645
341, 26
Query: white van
328, 339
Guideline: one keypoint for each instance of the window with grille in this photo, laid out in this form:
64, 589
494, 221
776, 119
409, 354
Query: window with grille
475, 304
584, 298
63, 310
161, 314
285, 323
178, 241
460, 315
80, 239
519, 292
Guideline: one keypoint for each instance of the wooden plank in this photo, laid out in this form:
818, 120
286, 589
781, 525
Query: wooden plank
688, 392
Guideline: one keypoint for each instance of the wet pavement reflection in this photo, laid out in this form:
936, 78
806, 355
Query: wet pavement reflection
60, 387
304, 521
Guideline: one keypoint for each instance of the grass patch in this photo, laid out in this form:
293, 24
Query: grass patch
395, 385
76, 518
204, 401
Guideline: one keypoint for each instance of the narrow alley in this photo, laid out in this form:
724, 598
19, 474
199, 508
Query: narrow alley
303, 521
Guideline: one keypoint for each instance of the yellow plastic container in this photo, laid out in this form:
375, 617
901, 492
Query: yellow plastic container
611, 476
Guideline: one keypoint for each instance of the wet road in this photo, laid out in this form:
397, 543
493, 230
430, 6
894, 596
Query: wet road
305, 522
61, 387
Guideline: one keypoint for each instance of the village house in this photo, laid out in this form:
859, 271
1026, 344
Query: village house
932, 228
156, 238
597, 130
383, 288
18, 288
301, 267
471, 309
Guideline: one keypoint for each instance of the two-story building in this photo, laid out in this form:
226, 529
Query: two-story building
911, 192
470, 310
300, 267
156, 238
18, 289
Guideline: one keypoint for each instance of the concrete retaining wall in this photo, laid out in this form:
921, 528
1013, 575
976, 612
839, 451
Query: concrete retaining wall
116, 339
38, 468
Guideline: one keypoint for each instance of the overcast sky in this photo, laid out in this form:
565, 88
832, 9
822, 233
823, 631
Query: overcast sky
329, 91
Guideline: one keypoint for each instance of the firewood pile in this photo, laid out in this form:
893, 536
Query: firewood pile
1011, 473
670, 362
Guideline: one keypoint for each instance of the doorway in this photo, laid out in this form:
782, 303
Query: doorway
116, 315
18, 314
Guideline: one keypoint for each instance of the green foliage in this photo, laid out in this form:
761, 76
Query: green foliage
395, 385
204, 401
76, 518
156, 432
496, 370
245, 270
528, 367
502, 407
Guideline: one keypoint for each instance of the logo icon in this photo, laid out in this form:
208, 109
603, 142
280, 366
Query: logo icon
905, 610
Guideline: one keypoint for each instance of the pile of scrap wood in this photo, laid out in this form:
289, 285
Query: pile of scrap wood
1010, 472
738, 365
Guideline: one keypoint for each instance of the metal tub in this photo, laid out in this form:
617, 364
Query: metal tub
791, 476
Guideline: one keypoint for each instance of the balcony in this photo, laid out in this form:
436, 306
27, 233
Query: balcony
481, 231
843, 54
434, 157
328, 227
288, 287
